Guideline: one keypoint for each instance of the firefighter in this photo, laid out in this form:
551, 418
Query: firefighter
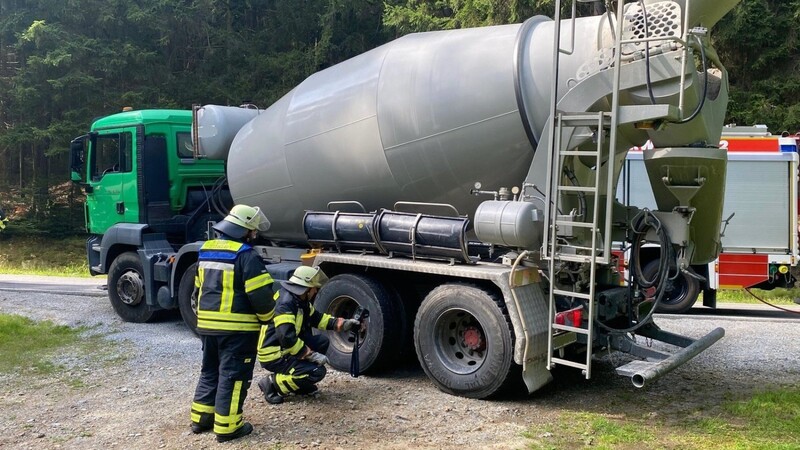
234, 298
3, 219
287, 348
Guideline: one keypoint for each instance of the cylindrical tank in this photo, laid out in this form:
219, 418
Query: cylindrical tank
421, 118
217, 126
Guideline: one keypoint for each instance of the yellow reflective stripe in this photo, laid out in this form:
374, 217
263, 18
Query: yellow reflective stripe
237, 391
226, 303
226, 326
199, 279
200, 408
285, 383
296, 347
221, 244
214, 265
284, 318
276, 295
323, 323
268, 354
228, 317
256, 282
266, 317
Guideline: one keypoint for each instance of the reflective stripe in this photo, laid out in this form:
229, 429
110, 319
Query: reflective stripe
269, 354
237, 391
266, 317
221, 244
228, 317
214, 265
227, 292
200, 408
276, 295
226, 326
284, 318
323, 323
296, 347
256, 282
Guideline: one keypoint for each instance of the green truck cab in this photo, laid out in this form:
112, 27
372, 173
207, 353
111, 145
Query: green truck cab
148, 198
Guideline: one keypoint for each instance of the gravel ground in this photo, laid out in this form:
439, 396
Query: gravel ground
135, 392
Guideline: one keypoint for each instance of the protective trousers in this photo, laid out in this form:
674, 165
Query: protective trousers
227, 371
298, 376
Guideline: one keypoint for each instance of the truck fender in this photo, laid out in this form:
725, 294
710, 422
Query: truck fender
127, 234
186, 256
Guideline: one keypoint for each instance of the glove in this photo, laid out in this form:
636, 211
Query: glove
349, 324
317, 358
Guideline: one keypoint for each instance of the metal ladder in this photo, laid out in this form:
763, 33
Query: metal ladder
554, 250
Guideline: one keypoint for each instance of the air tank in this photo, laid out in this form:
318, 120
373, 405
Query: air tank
421, 118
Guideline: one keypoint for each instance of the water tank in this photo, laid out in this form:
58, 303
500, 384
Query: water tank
217, 126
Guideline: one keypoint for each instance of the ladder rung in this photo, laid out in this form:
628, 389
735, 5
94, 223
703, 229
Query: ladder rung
574, 258
590, 189
569, 328
586, 120
580, 153
566, 362
572, 294
570, 223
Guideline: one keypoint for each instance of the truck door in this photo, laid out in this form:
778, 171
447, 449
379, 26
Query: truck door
112, 197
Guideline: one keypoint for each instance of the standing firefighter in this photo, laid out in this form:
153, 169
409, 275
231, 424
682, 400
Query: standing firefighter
287, 347
235, 298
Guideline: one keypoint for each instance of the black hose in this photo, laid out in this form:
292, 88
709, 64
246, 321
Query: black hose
641, 224
705, 85
647, 54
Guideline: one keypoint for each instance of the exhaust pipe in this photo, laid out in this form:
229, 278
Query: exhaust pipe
656, 370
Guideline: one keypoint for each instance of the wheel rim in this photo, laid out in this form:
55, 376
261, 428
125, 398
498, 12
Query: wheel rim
460, 341
344, 306
130, 288
676, 291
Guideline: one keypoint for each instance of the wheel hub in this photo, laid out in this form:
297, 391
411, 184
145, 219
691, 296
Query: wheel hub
472, 338
130, 288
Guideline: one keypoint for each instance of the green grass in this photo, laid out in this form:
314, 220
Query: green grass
768, 421
40, 255
778, 296
26, 345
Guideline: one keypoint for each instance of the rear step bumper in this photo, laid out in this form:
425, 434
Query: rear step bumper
661, 363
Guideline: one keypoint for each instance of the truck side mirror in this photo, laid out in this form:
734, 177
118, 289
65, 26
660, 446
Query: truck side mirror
76, 158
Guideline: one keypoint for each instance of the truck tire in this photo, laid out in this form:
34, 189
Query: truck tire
386, 325
681, 294
464, 340
187, 302
126, 288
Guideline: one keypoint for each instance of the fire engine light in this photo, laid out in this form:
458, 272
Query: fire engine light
783, 269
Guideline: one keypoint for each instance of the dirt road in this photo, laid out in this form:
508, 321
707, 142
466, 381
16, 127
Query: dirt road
133, 391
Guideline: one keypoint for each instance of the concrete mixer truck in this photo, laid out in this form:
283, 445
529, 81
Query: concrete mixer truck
460, 185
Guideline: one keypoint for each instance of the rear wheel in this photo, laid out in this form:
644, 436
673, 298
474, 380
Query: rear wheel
381, 343
681, 294
126, 288
187, 299
464, 340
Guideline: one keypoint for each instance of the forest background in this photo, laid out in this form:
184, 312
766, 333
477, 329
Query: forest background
65, 62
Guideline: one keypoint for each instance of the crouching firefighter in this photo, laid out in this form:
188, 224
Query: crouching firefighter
234, 297
287, 348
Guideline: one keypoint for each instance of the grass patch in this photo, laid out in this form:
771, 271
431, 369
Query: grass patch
767, 421
40, 255
25, 344
778, 296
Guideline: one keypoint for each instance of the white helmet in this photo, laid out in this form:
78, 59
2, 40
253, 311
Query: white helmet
305, 277
242, 219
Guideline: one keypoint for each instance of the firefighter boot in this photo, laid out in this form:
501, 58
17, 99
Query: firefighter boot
244, 430
270, 390
206, 423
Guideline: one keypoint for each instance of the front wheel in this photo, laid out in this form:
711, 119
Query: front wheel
464, 341
126, 288
187, 298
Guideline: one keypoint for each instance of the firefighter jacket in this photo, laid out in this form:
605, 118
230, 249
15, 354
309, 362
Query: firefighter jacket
234, 289
294, 318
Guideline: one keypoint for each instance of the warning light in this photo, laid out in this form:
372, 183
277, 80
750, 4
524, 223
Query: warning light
572, 317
